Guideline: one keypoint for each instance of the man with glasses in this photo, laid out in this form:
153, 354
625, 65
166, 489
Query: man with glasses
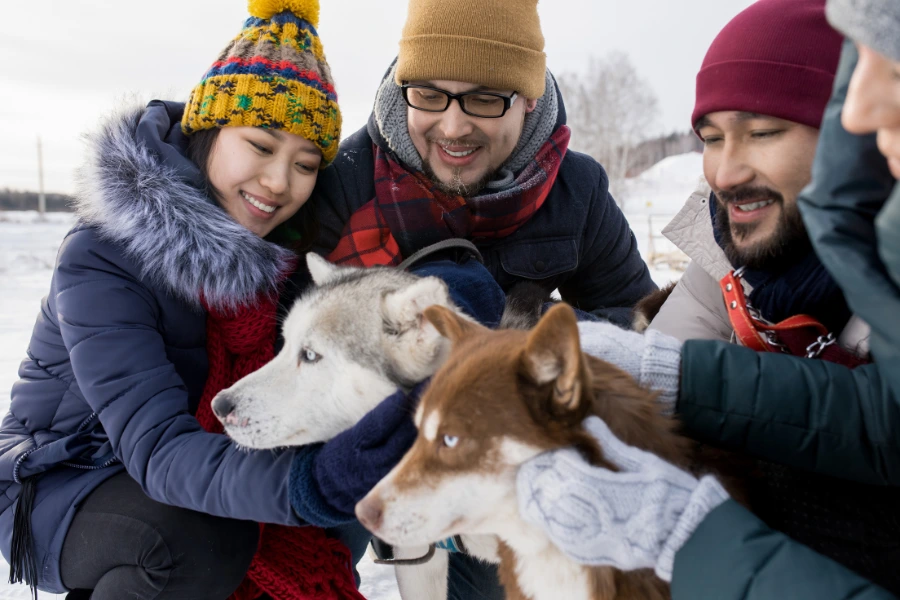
468, 140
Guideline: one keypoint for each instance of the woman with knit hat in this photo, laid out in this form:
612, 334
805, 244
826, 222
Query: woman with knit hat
116, 481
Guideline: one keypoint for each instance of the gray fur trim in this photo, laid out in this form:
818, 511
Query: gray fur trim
180, 239
391, 113
874, 23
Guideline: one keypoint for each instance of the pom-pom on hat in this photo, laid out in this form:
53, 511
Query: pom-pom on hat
775, 58
272, 75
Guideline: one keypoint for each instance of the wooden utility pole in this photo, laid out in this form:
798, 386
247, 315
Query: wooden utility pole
42, 201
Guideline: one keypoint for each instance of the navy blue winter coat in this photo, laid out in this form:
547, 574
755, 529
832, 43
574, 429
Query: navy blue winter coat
578, 242
117, 360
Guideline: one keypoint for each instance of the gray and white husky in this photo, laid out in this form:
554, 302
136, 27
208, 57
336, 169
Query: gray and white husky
349, 342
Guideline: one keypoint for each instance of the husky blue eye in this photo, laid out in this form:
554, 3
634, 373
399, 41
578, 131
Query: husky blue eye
309, 356
451, 441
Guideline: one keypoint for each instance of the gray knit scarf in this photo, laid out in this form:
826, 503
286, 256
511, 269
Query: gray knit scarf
390, 116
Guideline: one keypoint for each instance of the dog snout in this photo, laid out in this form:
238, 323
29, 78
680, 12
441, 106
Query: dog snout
223, 406
370, 512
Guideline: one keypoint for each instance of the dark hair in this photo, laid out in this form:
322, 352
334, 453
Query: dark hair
297, 233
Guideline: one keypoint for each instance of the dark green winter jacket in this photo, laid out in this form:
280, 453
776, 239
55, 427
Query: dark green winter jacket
819, 417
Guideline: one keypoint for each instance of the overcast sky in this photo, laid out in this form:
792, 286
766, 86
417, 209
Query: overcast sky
64, 63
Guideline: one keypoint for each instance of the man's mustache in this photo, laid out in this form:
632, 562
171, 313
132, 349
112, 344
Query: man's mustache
743, 194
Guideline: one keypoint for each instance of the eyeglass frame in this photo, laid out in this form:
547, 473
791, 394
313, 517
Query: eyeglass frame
507, 100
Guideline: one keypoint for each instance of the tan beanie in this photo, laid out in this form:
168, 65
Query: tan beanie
495, 43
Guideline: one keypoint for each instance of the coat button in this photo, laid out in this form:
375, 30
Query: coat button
540, 266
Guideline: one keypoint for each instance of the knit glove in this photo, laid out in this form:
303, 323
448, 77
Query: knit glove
636, 518
472, 288
652, 358
327, 480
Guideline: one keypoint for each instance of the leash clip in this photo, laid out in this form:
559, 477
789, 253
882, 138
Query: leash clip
817, 347
773, 340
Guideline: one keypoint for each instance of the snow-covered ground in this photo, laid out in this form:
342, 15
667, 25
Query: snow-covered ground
653, 198
28, 251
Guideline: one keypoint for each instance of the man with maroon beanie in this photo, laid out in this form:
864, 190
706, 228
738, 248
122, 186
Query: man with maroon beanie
761, 96
761, 93
824, 523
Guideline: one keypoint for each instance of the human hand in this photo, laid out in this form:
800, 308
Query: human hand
634, 518
652, 358
327, 482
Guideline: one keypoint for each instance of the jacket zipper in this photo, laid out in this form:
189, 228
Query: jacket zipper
108, 463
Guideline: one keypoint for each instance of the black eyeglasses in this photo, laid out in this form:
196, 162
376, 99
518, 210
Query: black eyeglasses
486, 105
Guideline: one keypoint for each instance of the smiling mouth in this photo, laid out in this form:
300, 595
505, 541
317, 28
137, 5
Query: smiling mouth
459, 153
751, 206
257, 204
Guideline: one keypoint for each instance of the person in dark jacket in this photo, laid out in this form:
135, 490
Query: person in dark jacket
115, 483
468, 138
819, 417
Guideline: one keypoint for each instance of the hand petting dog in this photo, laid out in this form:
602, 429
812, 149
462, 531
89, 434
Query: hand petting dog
638, 517
327, 480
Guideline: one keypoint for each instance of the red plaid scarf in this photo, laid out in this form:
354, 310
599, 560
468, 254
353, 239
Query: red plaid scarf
291, 563
409, 213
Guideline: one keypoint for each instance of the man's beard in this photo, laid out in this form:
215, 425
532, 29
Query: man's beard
789, 237
456, 187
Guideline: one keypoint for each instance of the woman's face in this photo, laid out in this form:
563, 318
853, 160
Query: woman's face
873, 103
262, 176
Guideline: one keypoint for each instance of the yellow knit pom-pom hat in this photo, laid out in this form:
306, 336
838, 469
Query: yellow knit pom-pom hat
495, 43
272, 75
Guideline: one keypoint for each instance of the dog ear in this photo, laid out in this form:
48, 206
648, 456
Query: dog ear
553, 355
406, 306
414, 346
321, 270
448, 323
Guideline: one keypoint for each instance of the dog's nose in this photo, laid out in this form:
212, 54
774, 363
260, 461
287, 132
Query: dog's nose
222, 406
370, 512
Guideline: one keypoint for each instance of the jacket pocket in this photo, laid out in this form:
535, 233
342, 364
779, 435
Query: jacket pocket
539, 259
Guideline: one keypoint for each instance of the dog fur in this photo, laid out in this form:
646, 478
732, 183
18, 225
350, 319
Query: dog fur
349, 342
647, 307
502, 398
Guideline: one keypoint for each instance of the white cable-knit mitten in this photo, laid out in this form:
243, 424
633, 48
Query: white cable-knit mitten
636, 518
652, 358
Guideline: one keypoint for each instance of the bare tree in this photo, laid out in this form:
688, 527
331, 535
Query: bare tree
610, 111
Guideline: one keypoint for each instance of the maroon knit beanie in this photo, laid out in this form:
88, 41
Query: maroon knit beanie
776, 58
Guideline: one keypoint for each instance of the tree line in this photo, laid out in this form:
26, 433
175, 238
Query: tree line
22, 200
612, 112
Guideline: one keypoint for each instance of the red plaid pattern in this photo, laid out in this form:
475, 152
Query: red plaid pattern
409, 213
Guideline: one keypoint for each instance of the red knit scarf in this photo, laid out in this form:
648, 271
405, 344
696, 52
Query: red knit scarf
291, 563
409, 213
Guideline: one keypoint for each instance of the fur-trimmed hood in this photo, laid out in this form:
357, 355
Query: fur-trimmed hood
139, 190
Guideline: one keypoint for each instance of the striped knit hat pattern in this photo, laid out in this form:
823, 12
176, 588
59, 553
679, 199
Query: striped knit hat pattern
272, 75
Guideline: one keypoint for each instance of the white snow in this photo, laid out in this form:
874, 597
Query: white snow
28, 249
652, 199
27, 254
